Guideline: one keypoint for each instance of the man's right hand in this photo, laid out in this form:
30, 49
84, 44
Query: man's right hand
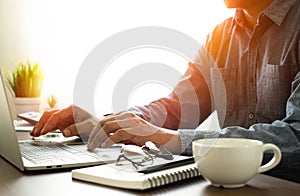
71, 121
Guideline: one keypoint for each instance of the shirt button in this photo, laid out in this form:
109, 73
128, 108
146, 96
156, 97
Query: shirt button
251, 116
253, 44
251, 80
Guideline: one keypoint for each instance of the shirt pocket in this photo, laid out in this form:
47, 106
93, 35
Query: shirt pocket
223, 89
274, 90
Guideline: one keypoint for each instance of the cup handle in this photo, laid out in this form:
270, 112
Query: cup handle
274, 161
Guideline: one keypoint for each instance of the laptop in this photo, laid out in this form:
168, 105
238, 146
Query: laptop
44, 154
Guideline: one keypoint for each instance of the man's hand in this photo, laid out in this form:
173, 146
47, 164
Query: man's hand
128, 128
71, 121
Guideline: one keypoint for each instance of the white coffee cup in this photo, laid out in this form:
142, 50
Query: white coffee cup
231, 162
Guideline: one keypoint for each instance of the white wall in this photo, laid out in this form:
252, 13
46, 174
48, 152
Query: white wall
60, 33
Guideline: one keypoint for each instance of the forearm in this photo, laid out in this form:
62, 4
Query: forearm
283, 134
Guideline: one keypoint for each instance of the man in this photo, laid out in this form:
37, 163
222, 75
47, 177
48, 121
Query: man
256, 53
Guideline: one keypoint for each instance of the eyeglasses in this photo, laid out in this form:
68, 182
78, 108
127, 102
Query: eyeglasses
145, 154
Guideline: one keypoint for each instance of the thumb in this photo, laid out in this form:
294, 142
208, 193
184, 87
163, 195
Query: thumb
81, 128
70, 131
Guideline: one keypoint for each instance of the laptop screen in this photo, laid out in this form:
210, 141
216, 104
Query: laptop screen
9, 148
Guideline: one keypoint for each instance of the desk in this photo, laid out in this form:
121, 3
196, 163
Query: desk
15, 183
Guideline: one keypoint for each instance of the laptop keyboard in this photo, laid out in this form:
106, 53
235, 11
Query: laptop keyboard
50, 152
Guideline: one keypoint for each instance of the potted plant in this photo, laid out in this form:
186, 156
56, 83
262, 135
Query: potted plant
26, 82
52, 101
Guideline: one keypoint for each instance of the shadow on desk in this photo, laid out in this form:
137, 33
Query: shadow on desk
259, 185
15, 183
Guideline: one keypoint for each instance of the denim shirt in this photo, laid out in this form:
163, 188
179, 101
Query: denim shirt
251, 77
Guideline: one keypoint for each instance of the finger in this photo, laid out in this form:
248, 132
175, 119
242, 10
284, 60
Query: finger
101, 122
108, 124
117, 137
120, 121
99, 134
96, 138
95, 131
118, 116
40, 125
59, 120
81, 128
70, 131
107, 119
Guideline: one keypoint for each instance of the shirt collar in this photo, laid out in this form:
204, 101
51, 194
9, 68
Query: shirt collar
278, 9
276, 12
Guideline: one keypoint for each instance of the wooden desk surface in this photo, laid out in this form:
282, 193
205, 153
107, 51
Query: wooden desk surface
15, 183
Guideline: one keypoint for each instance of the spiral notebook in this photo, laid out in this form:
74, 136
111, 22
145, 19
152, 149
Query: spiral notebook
153, 176
129, 178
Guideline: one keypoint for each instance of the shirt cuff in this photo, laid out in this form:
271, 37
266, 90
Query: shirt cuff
187, 136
